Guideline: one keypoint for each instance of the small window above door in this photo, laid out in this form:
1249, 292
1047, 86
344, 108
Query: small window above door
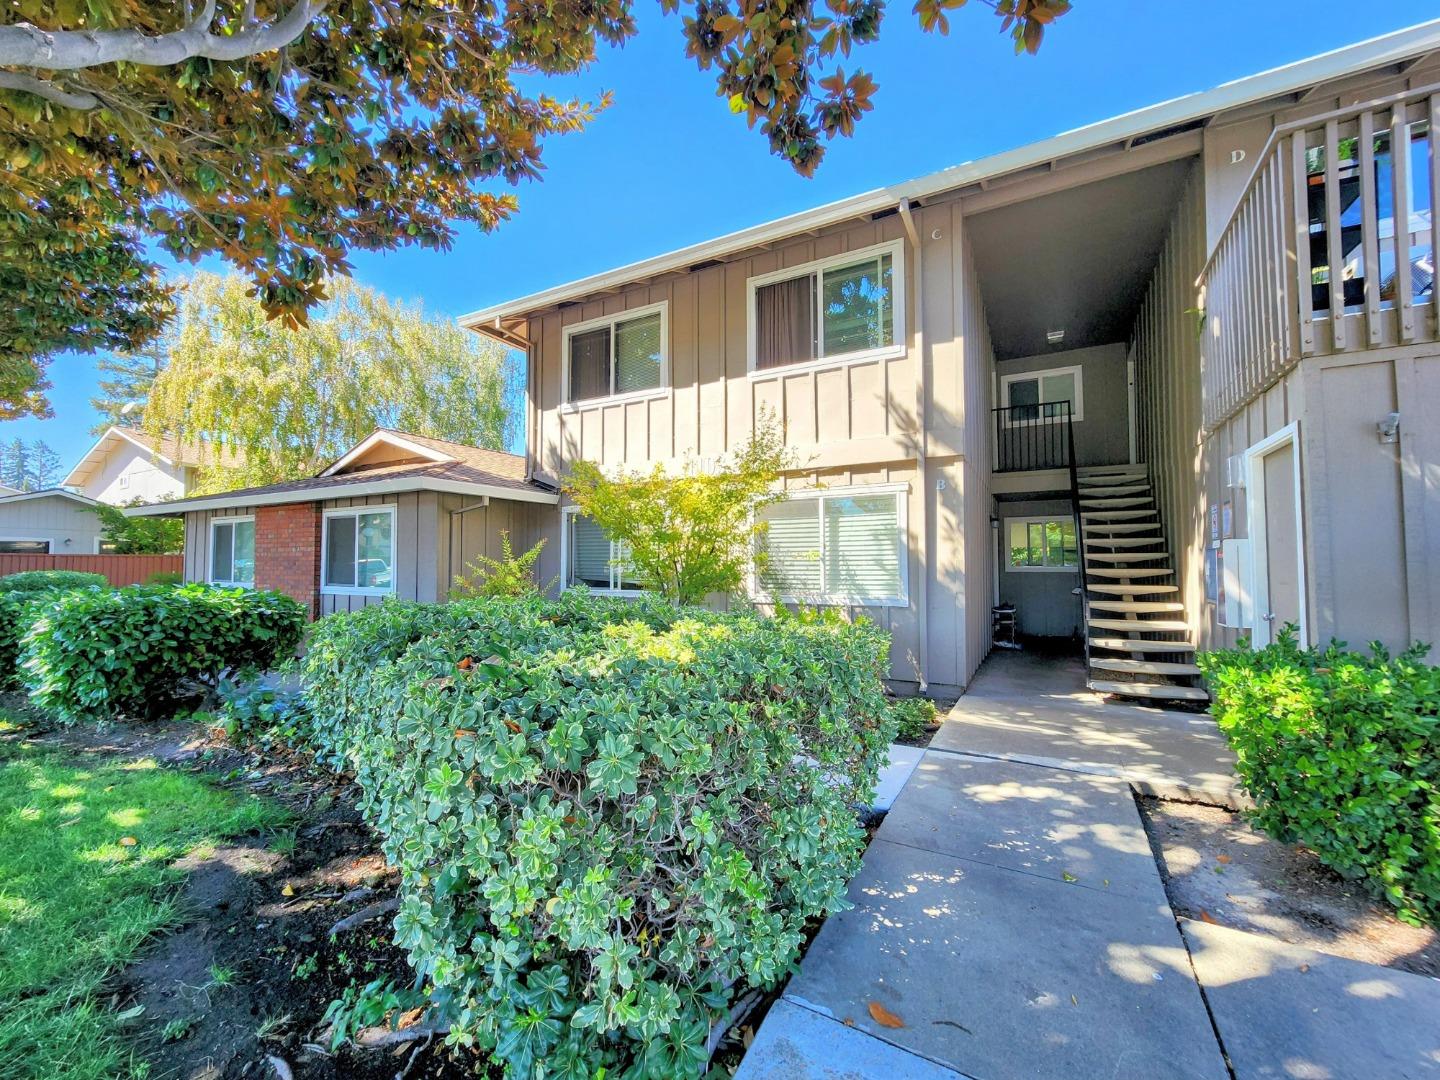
1039, 395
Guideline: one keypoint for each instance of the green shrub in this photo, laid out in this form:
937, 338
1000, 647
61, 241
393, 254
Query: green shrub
18, 612
139, 650
166, 577
609, 817
50, 580
1341, 752
913, 716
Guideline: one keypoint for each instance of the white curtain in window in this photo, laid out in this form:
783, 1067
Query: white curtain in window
791, 543
862, 553
637, 354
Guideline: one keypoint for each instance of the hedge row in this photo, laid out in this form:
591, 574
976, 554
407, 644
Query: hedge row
608, 817
1341, 751
98, 653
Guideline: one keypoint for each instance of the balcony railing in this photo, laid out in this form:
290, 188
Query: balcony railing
1033, 437
1330, 248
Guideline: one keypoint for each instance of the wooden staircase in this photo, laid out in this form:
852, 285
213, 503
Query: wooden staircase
1137, 640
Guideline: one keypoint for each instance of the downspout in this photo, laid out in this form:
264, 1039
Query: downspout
921, 451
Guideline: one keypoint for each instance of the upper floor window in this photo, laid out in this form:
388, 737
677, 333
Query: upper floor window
835, 547
847, 307
1035, 395
232, 551
619, 354
359, 551
593, 559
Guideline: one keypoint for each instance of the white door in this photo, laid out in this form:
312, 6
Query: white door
1277, 535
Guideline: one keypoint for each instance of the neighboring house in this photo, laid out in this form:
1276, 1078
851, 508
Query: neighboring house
127, 466
397, 515
1167, 357
49, 522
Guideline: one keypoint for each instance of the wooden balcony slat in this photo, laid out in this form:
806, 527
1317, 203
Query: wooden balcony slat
1302, 242
1333, 252
1400, 177
1370, 228
1434, 138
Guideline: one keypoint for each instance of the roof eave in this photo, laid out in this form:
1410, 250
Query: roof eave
392, 486
1289, 78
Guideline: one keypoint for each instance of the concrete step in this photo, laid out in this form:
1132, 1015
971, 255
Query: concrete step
1152, 691
1118, 644
1123, 503
1143, 667
1124, 541
1099, 516
1128, 571
1130, 590
1125, 556
1136, 607
1142, 626
1116, 489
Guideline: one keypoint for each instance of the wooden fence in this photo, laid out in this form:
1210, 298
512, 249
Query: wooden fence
118, 569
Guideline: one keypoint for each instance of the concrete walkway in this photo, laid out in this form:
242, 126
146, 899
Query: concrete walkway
1010, 922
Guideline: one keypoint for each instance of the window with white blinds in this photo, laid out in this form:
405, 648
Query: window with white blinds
835, 547
621, 354
594, 560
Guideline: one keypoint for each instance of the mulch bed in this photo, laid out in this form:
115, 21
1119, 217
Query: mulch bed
1219, 868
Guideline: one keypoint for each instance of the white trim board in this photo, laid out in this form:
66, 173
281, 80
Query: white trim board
1262, 633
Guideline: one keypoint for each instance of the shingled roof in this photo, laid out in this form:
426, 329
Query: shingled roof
385, 462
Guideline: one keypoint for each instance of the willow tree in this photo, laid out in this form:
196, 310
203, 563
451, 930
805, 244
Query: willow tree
281, 135
292, 399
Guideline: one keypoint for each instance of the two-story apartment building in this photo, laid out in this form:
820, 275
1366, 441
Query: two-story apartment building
1185, 358
1159, 382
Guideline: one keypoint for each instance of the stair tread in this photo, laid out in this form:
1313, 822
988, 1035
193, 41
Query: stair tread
1123, 541
1110, 478
1114, 515
1138, 587
1120, 502
1128, 571
1143, 667
1126, 556
1117, 489
1134, 466
1134, 645
1125, 527
1138, 607
1159, 691
1146, 626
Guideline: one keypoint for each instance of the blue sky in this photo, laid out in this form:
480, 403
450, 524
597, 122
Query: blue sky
668, 165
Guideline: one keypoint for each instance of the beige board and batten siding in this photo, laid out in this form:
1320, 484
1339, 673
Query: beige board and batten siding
844, 419
468, 530
1102, 430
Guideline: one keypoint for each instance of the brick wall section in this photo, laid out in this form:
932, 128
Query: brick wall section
287, 551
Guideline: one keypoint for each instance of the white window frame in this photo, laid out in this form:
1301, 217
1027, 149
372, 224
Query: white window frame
356, 590
901, 491
1264, 630
1027, 521
894, 248
663, 309
566, 512
1077, 407
234, 519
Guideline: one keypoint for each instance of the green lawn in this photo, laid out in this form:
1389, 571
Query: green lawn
86, 848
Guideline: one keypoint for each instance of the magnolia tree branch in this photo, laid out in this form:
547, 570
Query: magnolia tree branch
25, 45
15, 80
